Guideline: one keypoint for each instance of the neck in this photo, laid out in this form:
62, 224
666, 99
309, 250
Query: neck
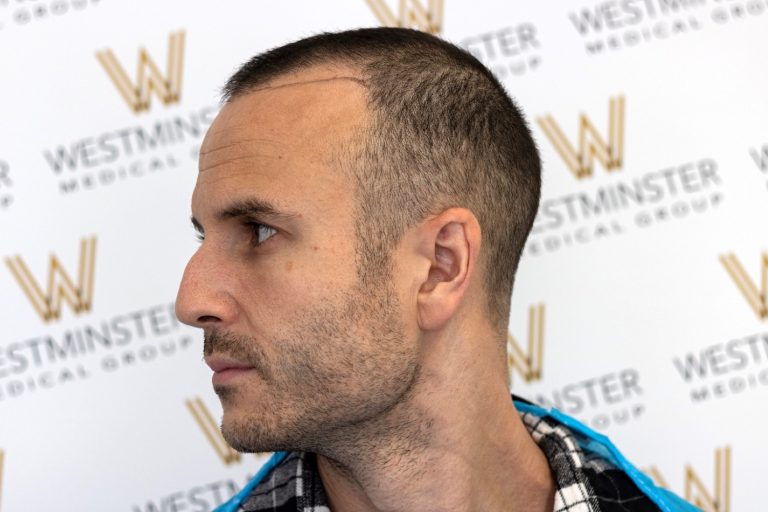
453, 443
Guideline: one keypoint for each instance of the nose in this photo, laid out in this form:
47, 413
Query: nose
203, 300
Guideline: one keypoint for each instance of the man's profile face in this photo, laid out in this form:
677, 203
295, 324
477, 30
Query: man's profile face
302, 347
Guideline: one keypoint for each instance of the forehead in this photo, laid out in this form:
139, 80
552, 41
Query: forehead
283, 136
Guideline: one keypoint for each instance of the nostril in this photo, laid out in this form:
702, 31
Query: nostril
208, 319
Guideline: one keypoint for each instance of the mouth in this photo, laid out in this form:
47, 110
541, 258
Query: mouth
226, 369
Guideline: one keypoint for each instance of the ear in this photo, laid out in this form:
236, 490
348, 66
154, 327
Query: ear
450, 242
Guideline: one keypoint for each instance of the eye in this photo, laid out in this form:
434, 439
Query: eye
261, 232
200, 237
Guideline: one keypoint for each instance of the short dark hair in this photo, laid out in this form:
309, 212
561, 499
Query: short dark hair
444, 133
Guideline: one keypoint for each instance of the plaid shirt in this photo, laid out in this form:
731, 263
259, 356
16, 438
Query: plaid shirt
585, 481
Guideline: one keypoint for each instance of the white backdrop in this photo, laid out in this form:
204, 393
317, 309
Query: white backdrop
646, 274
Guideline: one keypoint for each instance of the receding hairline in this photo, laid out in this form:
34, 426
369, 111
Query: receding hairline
282, 83
346, 71
269, 87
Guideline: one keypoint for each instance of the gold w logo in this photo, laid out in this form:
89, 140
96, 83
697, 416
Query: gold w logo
529, 364
695, 490
2, 461
756, 298
591, 144
411, 14
61, 287
148, 75
207, 424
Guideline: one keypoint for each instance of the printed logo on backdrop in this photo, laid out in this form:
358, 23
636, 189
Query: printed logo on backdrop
208, 496
210, 428
757, 298
2, 466
127, 153
149, 79
204, 497
760, 158
529, 363
61, 288
602, 401
617, 25
424, 15
83, 347
19, 13
510, 51
6, 186
581, 160
609, 196
713, 498
726, 369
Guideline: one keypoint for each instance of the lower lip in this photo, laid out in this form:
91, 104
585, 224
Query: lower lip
225, 376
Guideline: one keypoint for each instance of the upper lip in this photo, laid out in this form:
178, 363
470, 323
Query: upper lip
221, 363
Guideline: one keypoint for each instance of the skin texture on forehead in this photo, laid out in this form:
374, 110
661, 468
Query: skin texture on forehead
318, 107
281, 143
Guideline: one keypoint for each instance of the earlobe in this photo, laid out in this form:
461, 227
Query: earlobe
451, 243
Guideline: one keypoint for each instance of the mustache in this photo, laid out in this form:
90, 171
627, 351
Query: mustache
242, 348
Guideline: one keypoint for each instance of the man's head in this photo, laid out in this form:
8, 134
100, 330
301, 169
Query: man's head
442, 132
345, 190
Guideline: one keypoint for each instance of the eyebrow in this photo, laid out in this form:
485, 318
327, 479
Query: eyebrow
252, 207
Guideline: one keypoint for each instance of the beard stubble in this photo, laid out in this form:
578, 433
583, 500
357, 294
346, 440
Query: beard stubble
337, 365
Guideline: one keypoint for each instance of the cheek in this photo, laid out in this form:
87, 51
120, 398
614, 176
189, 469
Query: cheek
287, 282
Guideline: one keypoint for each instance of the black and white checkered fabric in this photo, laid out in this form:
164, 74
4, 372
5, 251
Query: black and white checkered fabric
586, 481
293, 486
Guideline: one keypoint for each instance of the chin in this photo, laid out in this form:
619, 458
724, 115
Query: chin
249, 436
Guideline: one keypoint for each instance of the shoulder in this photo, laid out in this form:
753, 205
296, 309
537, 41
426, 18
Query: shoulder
590, 472
587, 480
